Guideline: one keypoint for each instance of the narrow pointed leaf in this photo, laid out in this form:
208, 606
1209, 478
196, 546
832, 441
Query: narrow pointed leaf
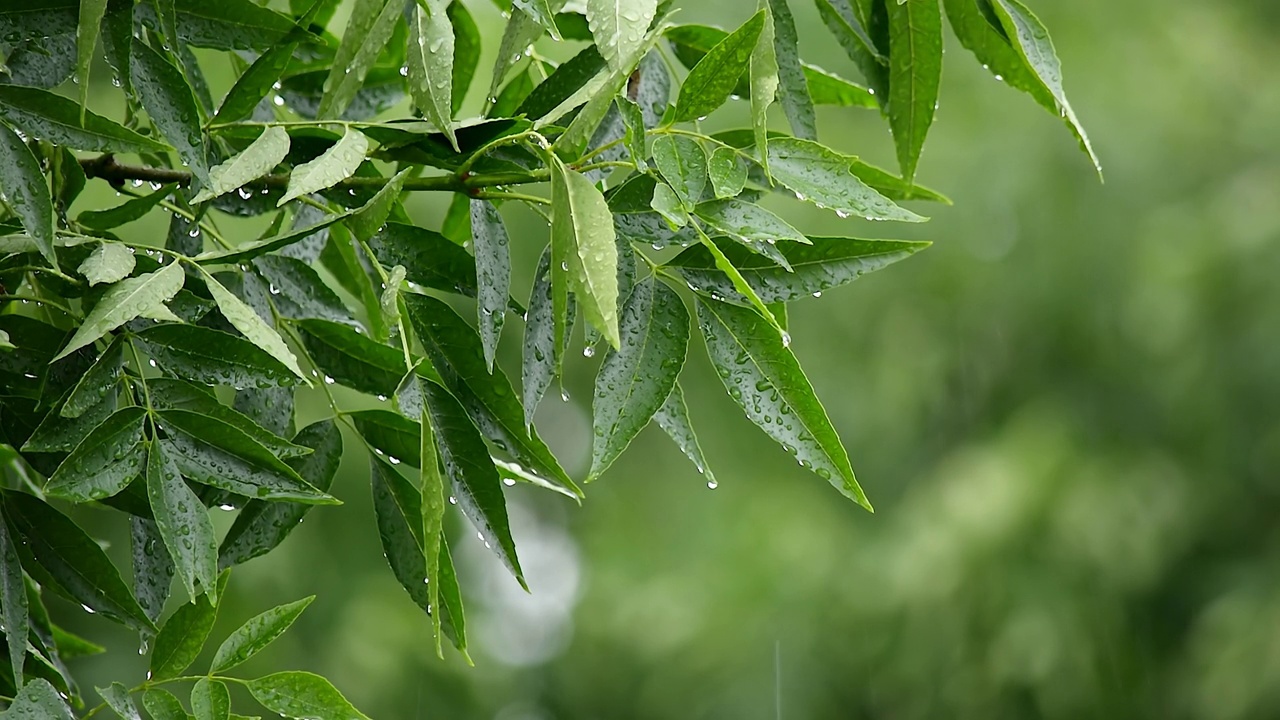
539, 367
822, 176
152, 567
184, 524
353, 359
519, 34
853, 37
581, 220
429, 258
466, 51
763, 377
915, 73
390, 433
169, 394
747, 221
46, 116
24, 189
634, 381
171, 106
244, 319
336, 164
13, 600
104, 462
794, 94
213, 357
258, 248
126, 212
673, 418
90, 24
125, 301
58, 434
366, 221
431, 485
493, 272
726, 266
181, 639
163, 705
95, 384
368, 30
302, 696
764, 81
712, 80
256, 634
431, 64
563, 82
619, 26
298, 292
257, 160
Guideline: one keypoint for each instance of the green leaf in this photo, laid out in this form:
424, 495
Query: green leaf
582, 227
683, 163
634, 381
475, 481
104, 462
352, 359
182, 637
747, 221
25, 189
850, 33
366, 221
298, 292
152, 567
87, 29
392, 434
125, 301
257, 160
740, 284
244, 319
763, 377
454, 349
368, 31
13, 600
822, 176
429, 258
571, 75
764, 83
116, 695
169, 394
794, 94
261, 526
431, 64
210, 700
44, 115
712, 80
336, 164
538, 367
38, 700
520, 32
466, 51
1031, 39
184, 525
514, 93
619, 26
830, 89
213, 357
257, 248
816, 267
126, 212
58, 434
669, 205
543, 12
673, 418
227, 24
108, 263
915, 73
256, 634
431, 488
163, 705
171, 106
633, 119
493, 270
212, 452
64, 557
389, 301
302, 696
255, 82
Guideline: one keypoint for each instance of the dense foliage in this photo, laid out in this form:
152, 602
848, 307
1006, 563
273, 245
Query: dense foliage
159, 379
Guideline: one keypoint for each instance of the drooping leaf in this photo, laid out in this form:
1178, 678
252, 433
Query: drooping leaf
763, 377
794, 94
261, 526
169, 394
634, 381
259, 78
244, 319
302, 696
64, 557
370, 27
153, 569
543, 12
849, 31
13, 600
712, 80
167, 97
822, 176
94, 385
493, 272
104, 462
256, 634
431, 64
915, 73
90, 24
184, 524
24, 189
669, 205
108, 263
213, 357
431, 486
210, 700
125, 212
257, 160
673, 418
258, 248
817, 266
336, 164
539, 366
44, 115
466, 51
582, 228
619, 26
126, 300
353, 359
764, 81
520, 32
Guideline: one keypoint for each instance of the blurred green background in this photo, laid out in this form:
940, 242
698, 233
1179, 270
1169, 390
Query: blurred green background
1065, 413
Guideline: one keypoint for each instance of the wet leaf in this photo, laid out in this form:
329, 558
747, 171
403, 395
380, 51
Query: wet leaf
104, 462
822, 176
108, 263
712, 80
213, 357
582, 229
257, 160
171, 106
125, 301
256, 634
336, 164
673, 418
184, 525
431, 64
44, 115
368, 30
244, 319
915, 73
25, 190
619, 26
493, 270
302, 696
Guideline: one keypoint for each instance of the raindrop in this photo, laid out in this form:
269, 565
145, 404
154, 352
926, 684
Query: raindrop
195, 232
588, 351
227, 508
564, 395
404, 71
393, 460
508, 482
279, 101
328, 380
88, 609
152, 363
712, 484
453, 500
818, 294
786, 339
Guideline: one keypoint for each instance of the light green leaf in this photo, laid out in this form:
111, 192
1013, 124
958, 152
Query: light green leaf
38, 700
683, 163
256, 634
389, 302
169, 102
763, 377
543, 12
336, 164
184, 525
493, 272
739, 283
673, 418
431, 487
1031, 39
712, 80
764, 87
634, 381
830, 89
619, 27
633, 119
116, 695
24, 189
669, 205
302, 696
822, 176
368, 31
431, 64
795, 99
747, 221
87, 29
244, 319
539, 366
46, 116
108, 263
582, 221
13, 600
257, 160
210, 700
104, 462
520, 32
727, 171
125, 301
366, 221
915, 73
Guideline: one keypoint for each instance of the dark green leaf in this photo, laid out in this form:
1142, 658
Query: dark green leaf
213, 357
822, 176
512, 95
848, 30
915, 72
520, 32
429, 258
493, 270
466, 51
539, 365
297, 290
353, 359
302, 696
561, 84
104, 462
227, 24
255, 82
152, 567
182, 637
369, 219
391, 434
261, 526
58, 434
830, 89
210, 700
257, 248
178, 395
712, 80
370, 27
272, 408
117, 698
25, 190
183, 523
256, 634
126, 212
13, 599
64, 557
634, 381
163, 705
172, 108
673, 418
44, 115
763, 377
